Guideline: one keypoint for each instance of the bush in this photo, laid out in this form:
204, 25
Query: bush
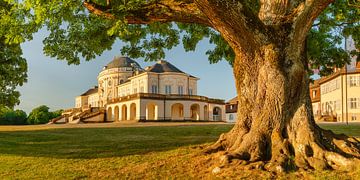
11, 117
42, 115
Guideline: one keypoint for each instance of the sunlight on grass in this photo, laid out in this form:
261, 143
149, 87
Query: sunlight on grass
132, 152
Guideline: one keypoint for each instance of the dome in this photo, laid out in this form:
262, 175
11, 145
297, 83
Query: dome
121, 62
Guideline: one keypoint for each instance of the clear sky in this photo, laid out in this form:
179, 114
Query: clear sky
53, 83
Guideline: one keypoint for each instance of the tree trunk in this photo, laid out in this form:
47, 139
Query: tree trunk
275, 122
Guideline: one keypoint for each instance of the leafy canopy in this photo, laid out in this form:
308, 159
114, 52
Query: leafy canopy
76, 33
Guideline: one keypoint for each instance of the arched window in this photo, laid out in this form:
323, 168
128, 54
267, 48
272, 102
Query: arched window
231, 117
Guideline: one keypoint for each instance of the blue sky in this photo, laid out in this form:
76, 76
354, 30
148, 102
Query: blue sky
53, 83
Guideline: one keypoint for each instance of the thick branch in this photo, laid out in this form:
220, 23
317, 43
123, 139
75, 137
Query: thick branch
308, 12
240, 27
161, 11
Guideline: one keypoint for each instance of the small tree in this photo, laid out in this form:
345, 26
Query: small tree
40, 115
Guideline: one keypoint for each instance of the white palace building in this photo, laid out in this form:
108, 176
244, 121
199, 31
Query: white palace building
160, 92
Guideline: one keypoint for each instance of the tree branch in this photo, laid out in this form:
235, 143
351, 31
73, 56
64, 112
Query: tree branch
238, 25
161, 11
308, 12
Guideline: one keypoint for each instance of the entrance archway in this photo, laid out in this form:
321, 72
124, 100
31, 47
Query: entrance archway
217, 114
116, 113
124, 113
133, 111
109, 114
195, 112
177, 112
151, 111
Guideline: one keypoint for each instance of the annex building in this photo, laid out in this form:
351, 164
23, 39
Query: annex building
337, 97
126, 91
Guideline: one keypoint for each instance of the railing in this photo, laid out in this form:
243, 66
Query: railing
166, 96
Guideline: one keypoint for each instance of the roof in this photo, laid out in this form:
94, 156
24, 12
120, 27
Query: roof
233, 100
90, 91
163, 66
121, 62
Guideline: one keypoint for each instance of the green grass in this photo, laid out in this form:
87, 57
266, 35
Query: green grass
351, 129
121, 153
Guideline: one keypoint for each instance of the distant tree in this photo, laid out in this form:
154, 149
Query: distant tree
56, 113
11, 117
40, 115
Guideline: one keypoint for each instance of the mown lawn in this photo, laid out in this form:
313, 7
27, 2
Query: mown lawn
122, 153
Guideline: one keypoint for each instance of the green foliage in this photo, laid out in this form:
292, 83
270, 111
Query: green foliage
326, 39
42, 115
11, 117
75, 33
15, 27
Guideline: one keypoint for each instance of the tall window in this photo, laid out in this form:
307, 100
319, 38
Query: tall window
352, 103
190, 92
142, 89
167, 89
135, 90
180, 90
314, 94
154, 89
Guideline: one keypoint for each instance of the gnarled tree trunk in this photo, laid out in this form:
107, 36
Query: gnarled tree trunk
275, 122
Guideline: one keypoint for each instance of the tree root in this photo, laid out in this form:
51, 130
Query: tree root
314, 151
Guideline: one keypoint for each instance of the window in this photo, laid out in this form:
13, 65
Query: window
352, 103
190, 92
154, 89
353, 117
142, 89
109, 82
180, 90
354, 81
231, 117
314, 94
167, 89
135, 90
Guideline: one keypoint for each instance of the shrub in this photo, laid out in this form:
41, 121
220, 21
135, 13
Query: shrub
11, 117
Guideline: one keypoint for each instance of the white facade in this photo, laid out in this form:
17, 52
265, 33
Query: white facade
160, 92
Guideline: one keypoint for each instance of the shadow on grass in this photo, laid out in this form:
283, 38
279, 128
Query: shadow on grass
88, 143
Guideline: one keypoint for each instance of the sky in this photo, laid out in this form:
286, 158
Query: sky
54, 83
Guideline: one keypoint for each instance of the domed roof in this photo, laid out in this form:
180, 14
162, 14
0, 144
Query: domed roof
121, 62
163, 66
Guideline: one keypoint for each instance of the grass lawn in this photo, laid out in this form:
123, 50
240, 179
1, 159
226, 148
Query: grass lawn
122, 153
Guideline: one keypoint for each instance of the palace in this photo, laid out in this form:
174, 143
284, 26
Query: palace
160, 92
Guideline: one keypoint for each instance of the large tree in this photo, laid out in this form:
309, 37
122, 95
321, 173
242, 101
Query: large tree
270, 45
